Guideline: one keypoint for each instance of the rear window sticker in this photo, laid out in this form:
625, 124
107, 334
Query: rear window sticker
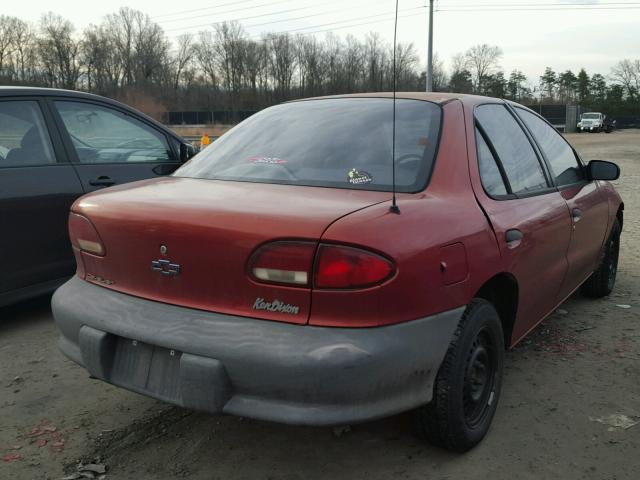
358, 177
267, 160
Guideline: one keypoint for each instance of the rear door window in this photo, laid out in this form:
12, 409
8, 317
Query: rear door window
342, 143
24, 138
106, 135
490, 175
560, 155
515, 152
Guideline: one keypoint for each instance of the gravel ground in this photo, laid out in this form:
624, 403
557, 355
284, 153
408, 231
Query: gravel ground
566, 388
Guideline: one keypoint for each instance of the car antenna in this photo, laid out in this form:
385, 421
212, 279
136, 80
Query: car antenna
394, 206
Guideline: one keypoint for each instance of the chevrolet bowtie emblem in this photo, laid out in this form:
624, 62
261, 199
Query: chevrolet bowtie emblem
165, 267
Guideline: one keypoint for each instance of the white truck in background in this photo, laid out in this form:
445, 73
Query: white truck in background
595, 122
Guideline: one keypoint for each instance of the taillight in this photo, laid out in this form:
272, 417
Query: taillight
84, 235
283, 262
342, 267
335, 267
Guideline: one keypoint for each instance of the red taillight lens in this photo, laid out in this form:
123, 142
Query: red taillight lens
346, 267
336, 266
84, 235
284, 262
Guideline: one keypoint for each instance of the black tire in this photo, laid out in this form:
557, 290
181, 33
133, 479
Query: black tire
602, 281
467, 387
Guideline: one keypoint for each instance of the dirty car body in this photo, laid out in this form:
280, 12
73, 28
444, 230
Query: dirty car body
269, 278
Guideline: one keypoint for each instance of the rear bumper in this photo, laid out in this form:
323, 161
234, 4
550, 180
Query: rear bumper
296, 374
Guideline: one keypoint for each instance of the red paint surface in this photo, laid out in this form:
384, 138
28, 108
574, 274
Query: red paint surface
211, 228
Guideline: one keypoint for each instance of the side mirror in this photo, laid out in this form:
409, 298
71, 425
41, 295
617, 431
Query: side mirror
603, 170
186, 151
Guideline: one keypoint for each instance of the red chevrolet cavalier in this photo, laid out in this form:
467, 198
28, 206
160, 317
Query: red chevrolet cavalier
270, 277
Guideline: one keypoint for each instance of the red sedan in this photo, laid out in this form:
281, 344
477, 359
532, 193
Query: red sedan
273, 277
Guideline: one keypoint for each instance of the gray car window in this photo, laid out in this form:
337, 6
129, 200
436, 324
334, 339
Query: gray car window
104, 135
341, 143
489, 172
560, 155
514, 150
24, 139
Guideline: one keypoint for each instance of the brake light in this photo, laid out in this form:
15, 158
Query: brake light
340, 267
84, 235
336, 266
283, 262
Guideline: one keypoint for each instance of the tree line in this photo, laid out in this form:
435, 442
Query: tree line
129, 57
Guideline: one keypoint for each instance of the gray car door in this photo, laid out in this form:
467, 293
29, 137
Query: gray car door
37, 187
110, 146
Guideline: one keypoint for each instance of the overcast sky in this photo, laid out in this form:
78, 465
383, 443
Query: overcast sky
563, 34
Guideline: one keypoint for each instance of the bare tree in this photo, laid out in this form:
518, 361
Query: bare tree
354, 64
24, 54
206, 56
481, 60
183, 58
406, 63
59, 51
627, 73
255, 57
375, 62
459, 62
8, 29
282, 63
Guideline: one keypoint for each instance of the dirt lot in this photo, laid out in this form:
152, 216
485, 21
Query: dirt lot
563, 384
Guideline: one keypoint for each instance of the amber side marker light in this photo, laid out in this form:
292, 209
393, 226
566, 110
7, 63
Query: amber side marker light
84, 235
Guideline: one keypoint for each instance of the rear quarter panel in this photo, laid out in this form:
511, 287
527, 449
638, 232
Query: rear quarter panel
445, 213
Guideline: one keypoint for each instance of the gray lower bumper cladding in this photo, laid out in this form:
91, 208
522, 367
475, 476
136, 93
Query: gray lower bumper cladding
296, 374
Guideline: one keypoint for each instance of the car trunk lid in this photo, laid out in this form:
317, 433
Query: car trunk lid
187, 241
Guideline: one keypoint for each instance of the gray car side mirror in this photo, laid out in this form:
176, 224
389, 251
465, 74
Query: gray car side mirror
603, 170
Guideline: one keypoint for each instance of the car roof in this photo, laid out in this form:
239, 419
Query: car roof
16, 91
434, 97
13, 91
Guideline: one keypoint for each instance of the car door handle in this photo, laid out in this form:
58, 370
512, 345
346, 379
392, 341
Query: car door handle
513, 237
576, 214
102, 181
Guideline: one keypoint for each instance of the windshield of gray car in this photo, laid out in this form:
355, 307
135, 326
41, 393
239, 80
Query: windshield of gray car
341, 143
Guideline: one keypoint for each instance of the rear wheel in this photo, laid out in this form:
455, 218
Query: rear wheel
467, 386
602, 281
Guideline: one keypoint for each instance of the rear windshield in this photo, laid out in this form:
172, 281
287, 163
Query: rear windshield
341, 143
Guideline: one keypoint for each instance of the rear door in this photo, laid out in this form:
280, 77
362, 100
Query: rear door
110, 146
37, 187
529, 216
588, 208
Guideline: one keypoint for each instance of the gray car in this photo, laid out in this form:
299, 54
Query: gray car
56, 145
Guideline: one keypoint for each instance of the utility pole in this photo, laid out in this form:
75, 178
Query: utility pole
430, 50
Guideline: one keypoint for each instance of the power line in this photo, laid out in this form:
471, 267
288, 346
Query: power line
238, 10
505, 6
314, 14
533, 9
293, 19
235, 19
349, 20
443, 7
537, 4
389, 17
236, 2
266, 15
